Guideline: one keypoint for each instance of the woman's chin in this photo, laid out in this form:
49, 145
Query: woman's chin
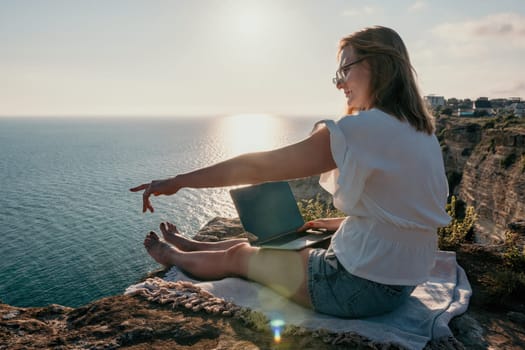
350, 102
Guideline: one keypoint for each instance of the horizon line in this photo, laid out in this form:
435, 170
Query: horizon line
190, 115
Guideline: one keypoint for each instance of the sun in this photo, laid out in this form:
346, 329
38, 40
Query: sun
250, 19
250, 22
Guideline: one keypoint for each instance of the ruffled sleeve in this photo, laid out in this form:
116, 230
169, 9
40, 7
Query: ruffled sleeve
347, 181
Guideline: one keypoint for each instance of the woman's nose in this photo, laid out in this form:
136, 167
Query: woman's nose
339, 85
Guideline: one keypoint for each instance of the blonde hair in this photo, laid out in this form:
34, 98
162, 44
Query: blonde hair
393, 79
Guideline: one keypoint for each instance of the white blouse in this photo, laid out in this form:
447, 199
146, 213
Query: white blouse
390, 180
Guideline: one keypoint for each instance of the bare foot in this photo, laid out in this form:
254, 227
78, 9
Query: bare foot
162, 252
173, 236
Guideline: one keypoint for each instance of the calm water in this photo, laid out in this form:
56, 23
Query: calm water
71, 232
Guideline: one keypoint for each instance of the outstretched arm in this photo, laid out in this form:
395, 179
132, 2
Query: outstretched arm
311, 156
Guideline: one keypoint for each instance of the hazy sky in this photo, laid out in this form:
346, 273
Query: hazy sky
220, 57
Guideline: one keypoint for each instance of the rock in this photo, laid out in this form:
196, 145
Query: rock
125, 321
469, 332
219, 229
516, 317
485, 166
11, 314
55, 309
517, 226
309, 188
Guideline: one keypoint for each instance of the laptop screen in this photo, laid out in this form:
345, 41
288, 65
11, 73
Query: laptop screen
268, 209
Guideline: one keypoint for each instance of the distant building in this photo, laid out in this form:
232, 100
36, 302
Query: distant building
465, 104
452, 101
518, 109
435, 101
482, 105
498, 103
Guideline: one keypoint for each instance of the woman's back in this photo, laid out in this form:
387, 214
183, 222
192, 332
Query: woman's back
391, 181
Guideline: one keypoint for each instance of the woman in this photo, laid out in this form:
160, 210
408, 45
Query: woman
383, 166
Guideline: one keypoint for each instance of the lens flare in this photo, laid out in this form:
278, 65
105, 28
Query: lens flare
277, 336
277, 326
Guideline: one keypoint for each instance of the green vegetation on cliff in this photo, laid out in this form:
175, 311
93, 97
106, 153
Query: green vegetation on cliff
312, 209
461, 227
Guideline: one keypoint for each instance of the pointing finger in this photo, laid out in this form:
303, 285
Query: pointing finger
147, 205
139, 188
145, 201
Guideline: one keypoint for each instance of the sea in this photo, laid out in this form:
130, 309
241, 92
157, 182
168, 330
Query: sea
70, 229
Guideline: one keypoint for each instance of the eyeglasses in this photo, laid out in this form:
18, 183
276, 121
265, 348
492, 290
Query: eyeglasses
340, 74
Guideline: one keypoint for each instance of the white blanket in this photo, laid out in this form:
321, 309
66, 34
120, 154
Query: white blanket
423, 317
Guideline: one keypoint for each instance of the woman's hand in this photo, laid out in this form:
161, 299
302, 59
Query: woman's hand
328, 224
156, 187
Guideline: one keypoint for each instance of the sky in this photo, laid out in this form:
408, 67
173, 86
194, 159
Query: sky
223, 57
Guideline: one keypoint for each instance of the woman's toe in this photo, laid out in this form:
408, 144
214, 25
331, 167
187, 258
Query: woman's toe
172, 228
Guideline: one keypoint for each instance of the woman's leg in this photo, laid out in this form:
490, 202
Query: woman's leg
173, 236
283, 271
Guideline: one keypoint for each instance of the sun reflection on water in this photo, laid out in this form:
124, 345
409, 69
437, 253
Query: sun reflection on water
251, 132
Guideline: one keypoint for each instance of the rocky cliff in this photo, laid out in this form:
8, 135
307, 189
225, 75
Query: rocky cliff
485, 164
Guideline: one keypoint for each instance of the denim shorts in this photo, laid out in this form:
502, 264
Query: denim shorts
336, 292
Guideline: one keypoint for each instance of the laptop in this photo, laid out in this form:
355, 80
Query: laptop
269, 211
